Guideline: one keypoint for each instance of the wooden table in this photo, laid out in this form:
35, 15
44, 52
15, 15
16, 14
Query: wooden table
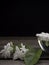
44, 60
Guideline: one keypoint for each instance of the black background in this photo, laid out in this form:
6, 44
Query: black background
23, 18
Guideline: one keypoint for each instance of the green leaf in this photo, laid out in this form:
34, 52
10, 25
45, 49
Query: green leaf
32, 56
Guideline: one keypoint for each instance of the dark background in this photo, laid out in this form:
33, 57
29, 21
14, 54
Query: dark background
23, 18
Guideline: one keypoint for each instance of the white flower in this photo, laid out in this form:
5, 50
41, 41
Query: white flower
23, 49
43, 36
20, 52
6, 52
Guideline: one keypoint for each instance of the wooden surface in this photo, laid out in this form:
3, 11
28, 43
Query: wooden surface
44, 60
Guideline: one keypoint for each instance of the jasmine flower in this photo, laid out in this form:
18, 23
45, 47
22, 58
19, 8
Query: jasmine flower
20, 52
6, 52
23, 49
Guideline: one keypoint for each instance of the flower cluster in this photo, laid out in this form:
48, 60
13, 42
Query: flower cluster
43, 36
19, 52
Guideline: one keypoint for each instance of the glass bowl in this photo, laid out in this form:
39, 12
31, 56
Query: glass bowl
43, 40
